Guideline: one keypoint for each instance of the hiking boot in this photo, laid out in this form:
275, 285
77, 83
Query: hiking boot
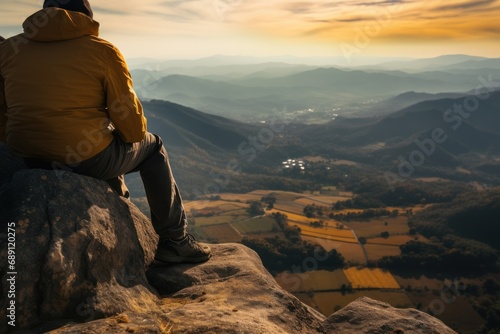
185, 250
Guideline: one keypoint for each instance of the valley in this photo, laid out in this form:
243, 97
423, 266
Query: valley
345, 187
362, 242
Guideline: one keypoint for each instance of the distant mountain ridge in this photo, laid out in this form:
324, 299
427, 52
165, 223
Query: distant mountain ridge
255, 96
340, 60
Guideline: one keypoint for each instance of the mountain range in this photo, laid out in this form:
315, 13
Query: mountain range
249, 92
201, 144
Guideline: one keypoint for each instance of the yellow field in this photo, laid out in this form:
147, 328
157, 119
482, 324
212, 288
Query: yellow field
371, 278
326, 233
293, 216
220, 205
319, 280
240, 197
329, 237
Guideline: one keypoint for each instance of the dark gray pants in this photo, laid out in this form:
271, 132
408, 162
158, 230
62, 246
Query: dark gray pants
150, 158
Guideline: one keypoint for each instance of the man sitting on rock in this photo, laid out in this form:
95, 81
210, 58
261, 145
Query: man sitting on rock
67, 102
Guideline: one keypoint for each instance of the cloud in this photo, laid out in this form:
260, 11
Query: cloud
480, 4
391, 19
238, 24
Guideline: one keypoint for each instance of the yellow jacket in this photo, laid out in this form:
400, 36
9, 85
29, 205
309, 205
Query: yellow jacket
61, 87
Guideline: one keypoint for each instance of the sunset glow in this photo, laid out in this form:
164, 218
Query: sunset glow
197, 28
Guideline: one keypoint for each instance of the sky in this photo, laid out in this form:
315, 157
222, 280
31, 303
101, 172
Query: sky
309, 28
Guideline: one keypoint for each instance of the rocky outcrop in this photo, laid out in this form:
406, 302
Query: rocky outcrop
366, 315
80, 250
84, 265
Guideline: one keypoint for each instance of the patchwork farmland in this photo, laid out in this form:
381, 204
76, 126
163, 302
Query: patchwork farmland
226, 218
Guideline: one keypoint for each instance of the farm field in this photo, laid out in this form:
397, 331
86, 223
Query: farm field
376, 252
202, 204
280, 195
395, 240
215, 220
352, 252
420, 283
373, 228
227, 220
320, 200
370, 278
290, 208
295, 217
318, 280
326, 281
232, 209
231, 197
221, 233
327, 233
256, 225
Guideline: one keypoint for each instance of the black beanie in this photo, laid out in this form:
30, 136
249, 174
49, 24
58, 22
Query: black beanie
82, 6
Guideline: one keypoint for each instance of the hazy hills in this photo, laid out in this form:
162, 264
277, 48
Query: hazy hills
248, 90
400, 133
202, 145
467, 132
359, 61
381, 115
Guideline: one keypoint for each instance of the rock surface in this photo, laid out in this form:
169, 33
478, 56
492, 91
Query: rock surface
80, 252
366, 315
81, 259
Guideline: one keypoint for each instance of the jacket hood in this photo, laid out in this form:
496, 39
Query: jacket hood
55, 24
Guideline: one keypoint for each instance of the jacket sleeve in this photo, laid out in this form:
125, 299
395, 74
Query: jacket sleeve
124, 108
3, 112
